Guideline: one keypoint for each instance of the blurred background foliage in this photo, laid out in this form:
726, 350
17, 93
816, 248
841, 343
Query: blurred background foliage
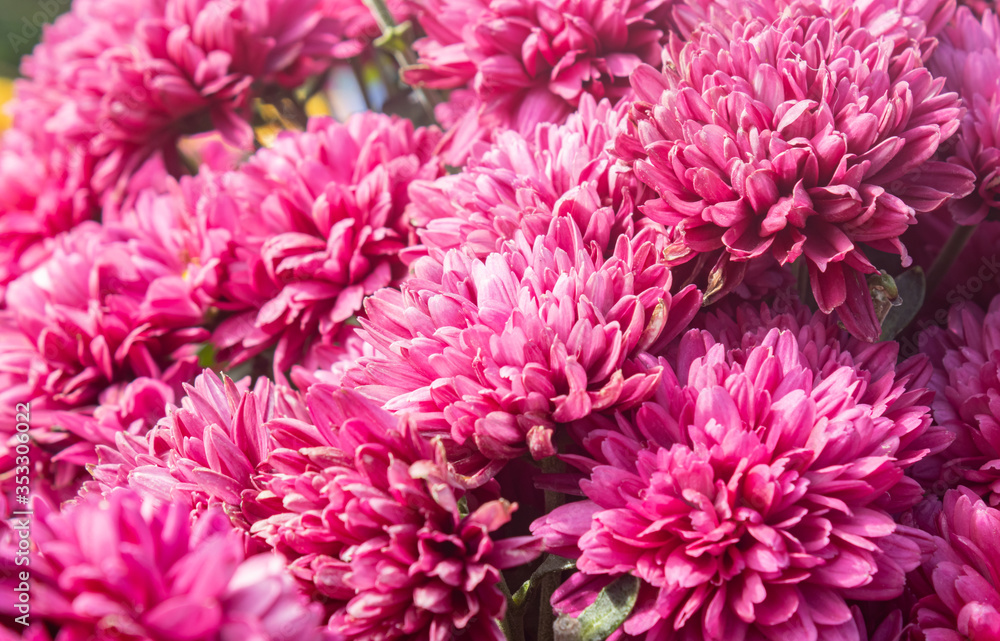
19, 28
21, 24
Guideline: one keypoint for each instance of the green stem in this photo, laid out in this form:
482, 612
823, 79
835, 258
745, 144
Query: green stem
951, 250
549, 582
404, 54
512, 624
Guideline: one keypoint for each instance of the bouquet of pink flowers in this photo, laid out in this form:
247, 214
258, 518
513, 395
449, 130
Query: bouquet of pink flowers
591, 319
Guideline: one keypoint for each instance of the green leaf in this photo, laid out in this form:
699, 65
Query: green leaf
911, 288
206, 356
550, 565
607, 614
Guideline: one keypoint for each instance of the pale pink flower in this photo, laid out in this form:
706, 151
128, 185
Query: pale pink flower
494, 354
122, 568
370, 513
776, 140
753, 494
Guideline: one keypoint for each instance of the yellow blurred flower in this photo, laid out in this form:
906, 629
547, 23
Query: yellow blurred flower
317, 106
6, 94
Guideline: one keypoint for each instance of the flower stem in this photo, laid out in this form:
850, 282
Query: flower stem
549, 582
401, 50
951, 250
512, 624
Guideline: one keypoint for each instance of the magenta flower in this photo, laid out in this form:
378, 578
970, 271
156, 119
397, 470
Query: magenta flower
117, 82
964, 573
753, 494
905, 22
121, 568
108, 306
522, 182
496, 353
777, 140
371, 511
969, 60
43, 192
208, 451
967, 404
132, 408
319, 225
532, 61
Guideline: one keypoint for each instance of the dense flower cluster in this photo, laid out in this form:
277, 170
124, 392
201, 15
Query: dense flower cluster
608, 326
109, 305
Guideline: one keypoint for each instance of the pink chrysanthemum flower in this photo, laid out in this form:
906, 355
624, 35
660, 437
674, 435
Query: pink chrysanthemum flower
969, 60
209, 450
967, 403
119, 81
964, 573
531, 61
753, 495
522, 182
122, 568
795, 140
905, 22
495, 353
108, 305
43, 192
319, 225
376, 524
133, 408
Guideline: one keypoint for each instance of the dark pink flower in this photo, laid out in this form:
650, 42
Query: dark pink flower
964, 574
967, 403
371, 511
110, 304
43, 192
209, 450
121, 568
531, 61
117, 82
317, 224
778, 140
969, 60
753, 494
494, 354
